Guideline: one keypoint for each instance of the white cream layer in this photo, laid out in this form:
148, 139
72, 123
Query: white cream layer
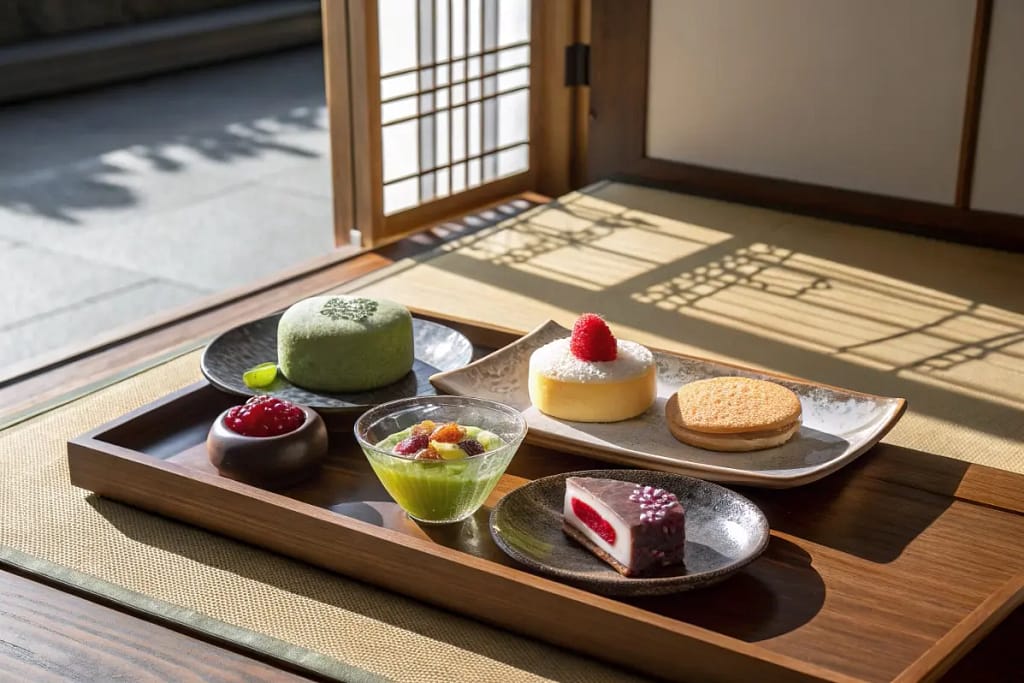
556, 361
622, 549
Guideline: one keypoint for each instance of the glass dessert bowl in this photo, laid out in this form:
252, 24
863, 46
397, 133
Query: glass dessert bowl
440, 457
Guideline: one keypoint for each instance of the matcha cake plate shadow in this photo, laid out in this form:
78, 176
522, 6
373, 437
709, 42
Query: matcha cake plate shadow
436, 348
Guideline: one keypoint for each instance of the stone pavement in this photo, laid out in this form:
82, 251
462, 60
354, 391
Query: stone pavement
120, 203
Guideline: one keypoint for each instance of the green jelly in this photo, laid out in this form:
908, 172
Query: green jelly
441, 490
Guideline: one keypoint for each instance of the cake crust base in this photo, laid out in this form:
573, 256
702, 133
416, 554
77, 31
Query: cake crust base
575, 534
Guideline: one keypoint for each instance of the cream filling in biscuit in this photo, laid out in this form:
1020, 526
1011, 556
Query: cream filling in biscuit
760, 434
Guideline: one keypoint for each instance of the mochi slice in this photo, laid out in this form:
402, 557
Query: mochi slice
632, 527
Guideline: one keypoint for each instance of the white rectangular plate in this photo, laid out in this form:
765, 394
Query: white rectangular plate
838, 425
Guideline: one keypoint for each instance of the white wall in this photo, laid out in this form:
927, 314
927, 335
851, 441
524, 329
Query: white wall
999, 160
860, 94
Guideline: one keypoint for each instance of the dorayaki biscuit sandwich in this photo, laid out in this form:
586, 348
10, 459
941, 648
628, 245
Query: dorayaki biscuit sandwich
733, 414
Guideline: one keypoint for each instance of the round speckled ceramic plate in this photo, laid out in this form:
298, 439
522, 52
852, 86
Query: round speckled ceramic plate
436, 347
724, 532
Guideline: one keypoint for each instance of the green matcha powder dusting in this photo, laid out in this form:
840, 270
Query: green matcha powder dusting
356, 310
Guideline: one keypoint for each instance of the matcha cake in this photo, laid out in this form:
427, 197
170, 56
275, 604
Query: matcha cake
344, 343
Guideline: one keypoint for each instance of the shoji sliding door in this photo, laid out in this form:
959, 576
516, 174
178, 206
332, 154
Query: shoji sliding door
453, 104
901, 113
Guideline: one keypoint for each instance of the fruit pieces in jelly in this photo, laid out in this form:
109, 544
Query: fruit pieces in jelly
428, 440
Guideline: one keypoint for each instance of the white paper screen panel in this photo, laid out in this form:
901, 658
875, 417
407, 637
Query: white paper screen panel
999, 159
455, 95
864, 95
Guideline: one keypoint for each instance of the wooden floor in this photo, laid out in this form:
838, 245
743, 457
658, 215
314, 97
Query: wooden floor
47, 634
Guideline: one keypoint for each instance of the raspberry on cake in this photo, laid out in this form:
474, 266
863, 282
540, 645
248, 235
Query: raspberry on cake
591, 376
633, 528
592, 340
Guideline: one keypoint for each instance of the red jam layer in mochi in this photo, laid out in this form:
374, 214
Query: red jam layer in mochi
592, 519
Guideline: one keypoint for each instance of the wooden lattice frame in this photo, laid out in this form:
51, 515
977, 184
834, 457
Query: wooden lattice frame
354, 97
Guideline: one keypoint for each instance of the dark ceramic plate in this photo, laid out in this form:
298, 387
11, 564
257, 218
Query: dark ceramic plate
724, 532
436, 347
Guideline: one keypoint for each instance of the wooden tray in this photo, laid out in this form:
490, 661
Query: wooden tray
890, 569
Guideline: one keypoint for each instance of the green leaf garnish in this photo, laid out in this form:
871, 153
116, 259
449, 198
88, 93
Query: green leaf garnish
263, 375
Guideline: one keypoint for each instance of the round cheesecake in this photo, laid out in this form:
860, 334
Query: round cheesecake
569, 388
344, 343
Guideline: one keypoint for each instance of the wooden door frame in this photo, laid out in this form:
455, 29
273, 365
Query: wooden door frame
359, 183
620, 43
337, 86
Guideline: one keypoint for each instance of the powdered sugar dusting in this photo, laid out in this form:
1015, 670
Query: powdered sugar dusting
654, 503
555, 360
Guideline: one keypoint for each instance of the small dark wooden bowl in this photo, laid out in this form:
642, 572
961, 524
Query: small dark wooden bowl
272, 462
